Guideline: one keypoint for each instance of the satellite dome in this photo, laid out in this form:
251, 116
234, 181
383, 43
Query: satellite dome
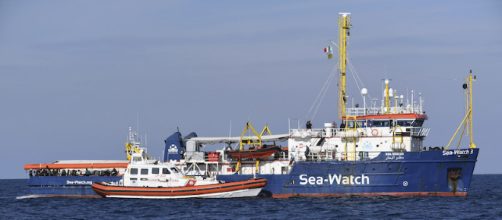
364, 91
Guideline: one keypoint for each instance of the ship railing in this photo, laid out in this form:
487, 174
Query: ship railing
419, 131
363, 111
321, 132
327, 132
379, 110
317, 132
340, 156
349, 133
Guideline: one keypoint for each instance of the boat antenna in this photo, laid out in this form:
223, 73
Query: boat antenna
230, 129
137, 121
146, 140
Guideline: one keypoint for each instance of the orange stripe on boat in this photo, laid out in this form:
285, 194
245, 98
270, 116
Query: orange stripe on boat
74, 165
391, 116
106, 190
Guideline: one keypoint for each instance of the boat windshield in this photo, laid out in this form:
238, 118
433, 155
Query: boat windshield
136, 159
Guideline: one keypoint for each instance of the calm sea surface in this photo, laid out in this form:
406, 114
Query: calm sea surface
483, 202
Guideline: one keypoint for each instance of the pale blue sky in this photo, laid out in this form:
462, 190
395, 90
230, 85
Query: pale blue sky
75, 74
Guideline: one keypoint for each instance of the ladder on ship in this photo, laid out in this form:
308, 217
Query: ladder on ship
399, 145
351, 136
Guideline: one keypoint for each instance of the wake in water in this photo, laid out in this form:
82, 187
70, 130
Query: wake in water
30, 196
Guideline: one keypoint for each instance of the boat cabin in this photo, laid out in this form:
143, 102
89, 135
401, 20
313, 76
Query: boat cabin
144, 172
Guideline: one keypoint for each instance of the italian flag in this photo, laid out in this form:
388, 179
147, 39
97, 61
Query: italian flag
329, 51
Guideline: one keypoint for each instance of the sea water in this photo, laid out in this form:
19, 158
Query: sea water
483, 202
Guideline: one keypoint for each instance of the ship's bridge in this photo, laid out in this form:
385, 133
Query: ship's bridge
362, 135
398, 116
382, 110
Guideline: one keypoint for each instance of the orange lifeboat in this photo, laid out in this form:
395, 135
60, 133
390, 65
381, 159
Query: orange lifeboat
246, 188
253, 153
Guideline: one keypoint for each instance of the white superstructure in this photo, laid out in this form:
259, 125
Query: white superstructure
395, 126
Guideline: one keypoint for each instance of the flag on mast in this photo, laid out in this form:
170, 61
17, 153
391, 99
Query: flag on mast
329, 51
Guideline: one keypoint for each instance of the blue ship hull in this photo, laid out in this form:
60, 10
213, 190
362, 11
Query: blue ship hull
66, 186
426, 173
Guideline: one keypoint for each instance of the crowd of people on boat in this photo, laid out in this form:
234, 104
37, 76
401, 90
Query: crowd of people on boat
70, 172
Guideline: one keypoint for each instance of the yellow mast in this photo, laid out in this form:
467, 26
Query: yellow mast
387, 97
396, 99
468, 115
471, 140
344, 26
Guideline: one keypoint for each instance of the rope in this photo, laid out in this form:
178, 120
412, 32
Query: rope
322, 97
314, 108
355, 75
317, 98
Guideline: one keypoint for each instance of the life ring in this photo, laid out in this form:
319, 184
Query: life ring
191, 182
374, 132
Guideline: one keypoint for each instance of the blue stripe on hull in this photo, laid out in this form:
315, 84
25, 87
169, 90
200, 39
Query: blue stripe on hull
63, 191
407, 173
71, 186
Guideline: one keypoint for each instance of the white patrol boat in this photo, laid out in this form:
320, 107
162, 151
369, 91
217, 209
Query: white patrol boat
151, 179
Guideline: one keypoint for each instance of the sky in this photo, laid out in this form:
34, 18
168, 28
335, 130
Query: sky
74, 75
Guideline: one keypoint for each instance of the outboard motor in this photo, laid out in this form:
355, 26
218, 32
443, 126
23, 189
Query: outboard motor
174, 147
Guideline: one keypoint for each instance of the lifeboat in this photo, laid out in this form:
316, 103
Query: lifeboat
246, 188
146, 178
254, 153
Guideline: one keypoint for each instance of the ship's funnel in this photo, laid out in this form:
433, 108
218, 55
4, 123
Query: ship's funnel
174, 148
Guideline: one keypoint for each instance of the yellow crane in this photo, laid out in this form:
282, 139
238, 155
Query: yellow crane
247, 139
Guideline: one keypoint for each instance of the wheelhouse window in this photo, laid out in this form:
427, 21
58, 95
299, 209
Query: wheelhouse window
376, 123
133, 171
405, 123
359, 124
418, 123
144, 171
165, 171
136, 159
174, 170
155, 170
